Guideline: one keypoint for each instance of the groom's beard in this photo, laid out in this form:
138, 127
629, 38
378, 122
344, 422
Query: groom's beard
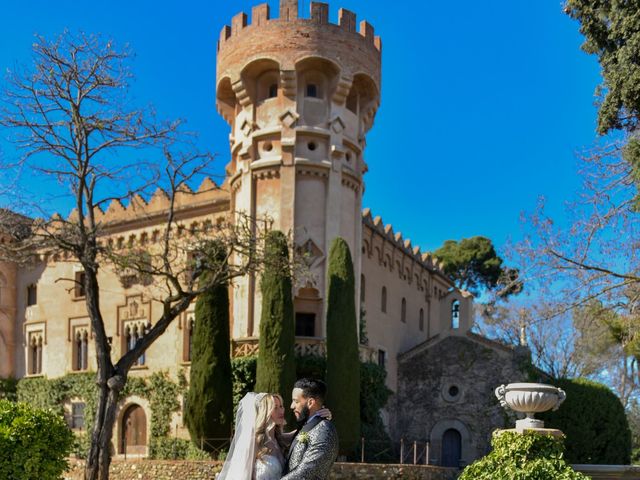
304, 415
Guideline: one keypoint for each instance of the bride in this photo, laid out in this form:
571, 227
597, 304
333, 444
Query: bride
259, 445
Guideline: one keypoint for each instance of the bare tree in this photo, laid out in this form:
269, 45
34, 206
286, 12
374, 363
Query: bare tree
71, 120
550, 338
593, 262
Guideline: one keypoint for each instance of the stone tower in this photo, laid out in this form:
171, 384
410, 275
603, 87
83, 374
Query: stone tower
300, 94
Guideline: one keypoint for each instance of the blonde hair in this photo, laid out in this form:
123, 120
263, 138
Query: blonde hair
265, 424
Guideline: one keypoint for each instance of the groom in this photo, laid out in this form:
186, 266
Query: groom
315, 447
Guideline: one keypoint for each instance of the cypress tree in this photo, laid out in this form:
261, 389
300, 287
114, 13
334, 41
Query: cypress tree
276, 370
209, 405
343, 362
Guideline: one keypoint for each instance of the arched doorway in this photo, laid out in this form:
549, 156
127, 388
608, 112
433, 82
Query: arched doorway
133, 433
451, 448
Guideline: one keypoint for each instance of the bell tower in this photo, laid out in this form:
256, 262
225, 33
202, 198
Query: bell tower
300, 95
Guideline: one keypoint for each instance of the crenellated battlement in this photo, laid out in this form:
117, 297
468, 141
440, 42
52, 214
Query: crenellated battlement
261, 17
426, 259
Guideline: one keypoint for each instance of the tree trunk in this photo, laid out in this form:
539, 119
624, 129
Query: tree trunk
99, 457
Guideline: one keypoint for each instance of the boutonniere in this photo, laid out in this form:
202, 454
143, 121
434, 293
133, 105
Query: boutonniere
303, 437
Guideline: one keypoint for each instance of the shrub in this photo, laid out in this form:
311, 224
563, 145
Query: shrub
528, 456
343, 362
8, 389
209, 406
276, 370
34, 443
243, 372
176, 449
594, 422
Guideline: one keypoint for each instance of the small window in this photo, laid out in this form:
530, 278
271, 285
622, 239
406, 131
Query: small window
362, 288
382, 358
32, 295
312, 90
403, 311
305, 324
455, 314
383, 300
79, 290
80, 350
77, 415
273, 90
191, 323
34, 359
133, 333
421, 320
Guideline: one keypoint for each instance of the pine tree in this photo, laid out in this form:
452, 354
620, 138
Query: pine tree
209, 405
343, 362
276, 370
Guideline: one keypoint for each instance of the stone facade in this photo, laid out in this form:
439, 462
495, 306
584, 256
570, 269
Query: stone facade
300, 96
446, 394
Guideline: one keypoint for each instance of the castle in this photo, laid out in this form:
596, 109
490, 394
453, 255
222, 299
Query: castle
300, 95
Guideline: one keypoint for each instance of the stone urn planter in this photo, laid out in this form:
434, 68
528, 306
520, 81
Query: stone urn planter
530, 398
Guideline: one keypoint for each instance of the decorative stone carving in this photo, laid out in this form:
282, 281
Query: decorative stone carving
289, 118
530, 398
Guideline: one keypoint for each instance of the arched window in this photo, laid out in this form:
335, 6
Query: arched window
39, 356
81, 343
403, 311
33, 355
383, 300
421, 320
362, 288
84, 351
132, 335
455, 314
190, 326
273, 90
77, 361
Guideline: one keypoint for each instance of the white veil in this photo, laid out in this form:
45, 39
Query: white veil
241, 457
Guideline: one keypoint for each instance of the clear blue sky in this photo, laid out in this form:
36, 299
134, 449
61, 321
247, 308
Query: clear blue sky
483, 105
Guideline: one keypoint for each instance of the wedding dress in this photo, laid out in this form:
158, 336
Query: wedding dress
269, 467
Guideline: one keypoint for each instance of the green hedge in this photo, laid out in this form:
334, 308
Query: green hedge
34, 443
594, 421
528, 456
8, 388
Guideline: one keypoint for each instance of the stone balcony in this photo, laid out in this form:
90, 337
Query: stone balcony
246, 347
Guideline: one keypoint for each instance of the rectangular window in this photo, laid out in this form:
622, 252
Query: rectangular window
382, 358
312, 90
32, 295
79, 290
77, 415
305, 324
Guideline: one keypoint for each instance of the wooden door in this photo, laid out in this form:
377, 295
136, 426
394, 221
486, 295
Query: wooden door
134, 431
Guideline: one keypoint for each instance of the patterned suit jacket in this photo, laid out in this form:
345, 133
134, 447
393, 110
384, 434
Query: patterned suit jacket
313, 459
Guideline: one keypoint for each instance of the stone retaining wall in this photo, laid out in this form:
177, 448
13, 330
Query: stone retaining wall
192, 470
